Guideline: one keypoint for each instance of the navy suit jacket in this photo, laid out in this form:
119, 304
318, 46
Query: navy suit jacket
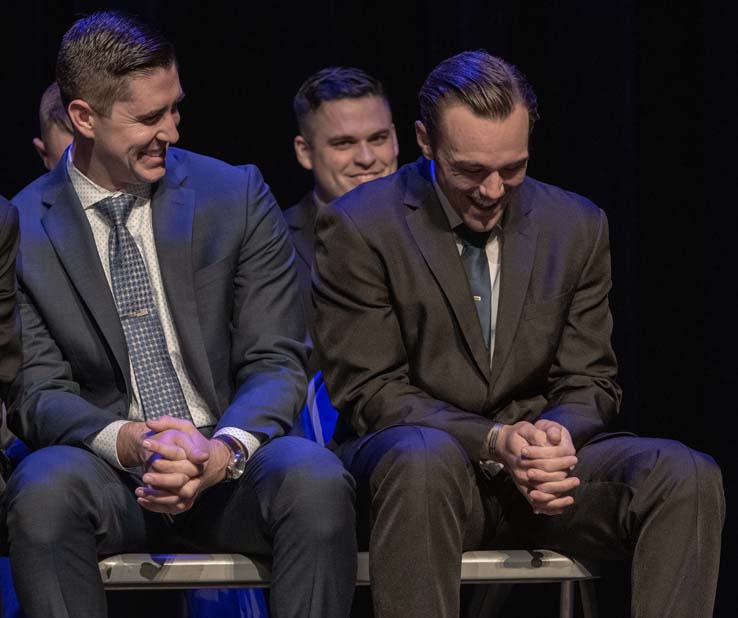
227, 266
398, 335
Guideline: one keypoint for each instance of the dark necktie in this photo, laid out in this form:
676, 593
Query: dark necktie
157, 381
474, 258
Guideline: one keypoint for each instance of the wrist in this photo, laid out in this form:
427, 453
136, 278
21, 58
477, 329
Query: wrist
235, 463
493, 443
220, 460
490, 461
128, 445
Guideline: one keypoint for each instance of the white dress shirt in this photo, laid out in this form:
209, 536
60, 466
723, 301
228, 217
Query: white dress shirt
140, 227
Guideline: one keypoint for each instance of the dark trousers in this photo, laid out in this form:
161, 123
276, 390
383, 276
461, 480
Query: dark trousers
421, 502
66, 507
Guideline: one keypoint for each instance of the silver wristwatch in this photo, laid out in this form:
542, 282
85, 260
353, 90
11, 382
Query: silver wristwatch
239, 457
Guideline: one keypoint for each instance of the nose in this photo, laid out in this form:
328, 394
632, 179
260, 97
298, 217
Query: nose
364, 155
492, 186
168, 130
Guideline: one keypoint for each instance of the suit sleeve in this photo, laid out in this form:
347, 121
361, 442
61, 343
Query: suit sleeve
268, 339
9, 323
583, 395
45, 403
360, 344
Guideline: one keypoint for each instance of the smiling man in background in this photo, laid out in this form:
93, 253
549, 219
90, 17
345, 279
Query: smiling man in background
346, 138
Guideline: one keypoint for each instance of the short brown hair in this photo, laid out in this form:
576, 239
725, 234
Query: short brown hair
99, 51
488, 85
331, 84
51, 111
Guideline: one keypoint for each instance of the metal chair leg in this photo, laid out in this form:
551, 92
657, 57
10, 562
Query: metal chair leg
589, 598
566, 602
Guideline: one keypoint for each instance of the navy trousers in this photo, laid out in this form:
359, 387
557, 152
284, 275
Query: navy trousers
295, 502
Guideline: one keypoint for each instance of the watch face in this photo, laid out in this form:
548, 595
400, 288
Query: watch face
239, 457
237, 466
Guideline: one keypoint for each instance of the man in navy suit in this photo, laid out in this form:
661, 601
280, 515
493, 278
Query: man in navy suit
163, 353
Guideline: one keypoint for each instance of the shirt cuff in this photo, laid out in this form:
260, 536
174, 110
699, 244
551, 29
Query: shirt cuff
105, 445
249, 440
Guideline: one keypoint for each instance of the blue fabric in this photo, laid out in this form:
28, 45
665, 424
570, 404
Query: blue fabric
317, 420
11, 609
242, 603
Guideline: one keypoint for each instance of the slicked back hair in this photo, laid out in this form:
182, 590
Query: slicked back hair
488, 85
330, 84
100, 51
51, 111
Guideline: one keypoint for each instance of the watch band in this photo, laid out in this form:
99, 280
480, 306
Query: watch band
489, 461
490, 444
239, 457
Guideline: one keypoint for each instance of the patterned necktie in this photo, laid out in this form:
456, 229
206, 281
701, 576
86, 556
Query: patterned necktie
157, 381
474, 258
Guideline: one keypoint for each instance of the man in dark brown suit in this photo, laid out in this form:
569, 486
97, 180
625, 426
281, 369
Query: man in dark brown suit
463, 329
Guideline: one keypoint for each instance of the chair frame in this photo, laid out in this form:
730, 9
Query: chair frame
184, 571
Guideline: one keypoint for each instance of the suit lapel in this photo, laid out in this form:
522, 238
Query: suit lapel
430, 228
69, 232
173, 213
518, 254
303, 228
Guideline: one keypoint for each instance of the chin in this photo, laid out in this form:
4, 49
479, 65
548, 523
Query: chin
480, 226
150, 176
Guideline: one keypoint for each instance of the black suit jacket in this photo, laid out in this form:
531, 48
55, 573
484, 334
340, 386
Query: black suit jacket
398, 335
227, 266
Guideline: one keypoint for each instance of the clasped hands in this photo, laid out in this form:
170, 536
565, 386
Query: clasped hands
540, 458
179, 462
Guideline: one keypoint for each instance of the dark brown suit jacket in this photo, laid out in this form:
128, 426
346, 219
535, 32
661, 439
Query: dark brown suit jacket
301, 221
398, 335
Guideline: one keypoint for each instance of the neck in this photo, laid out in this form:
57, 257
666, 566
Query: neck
82, 151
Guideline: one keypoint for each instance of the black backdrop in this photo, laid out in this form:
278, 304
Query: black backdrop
636, 113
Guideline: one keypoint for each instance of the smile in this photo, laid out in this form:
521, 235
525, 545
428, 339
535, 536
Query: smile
365, 177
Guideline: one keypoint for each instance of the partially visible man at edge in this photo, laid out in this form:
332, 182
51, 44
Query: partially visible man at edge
10, 351
346, 138
55, 126
163, 354
463, 328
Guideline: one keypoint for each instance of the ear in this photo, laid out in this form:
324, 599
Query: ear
423, 139
395, 143
83, 118
303, 152
40, 147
